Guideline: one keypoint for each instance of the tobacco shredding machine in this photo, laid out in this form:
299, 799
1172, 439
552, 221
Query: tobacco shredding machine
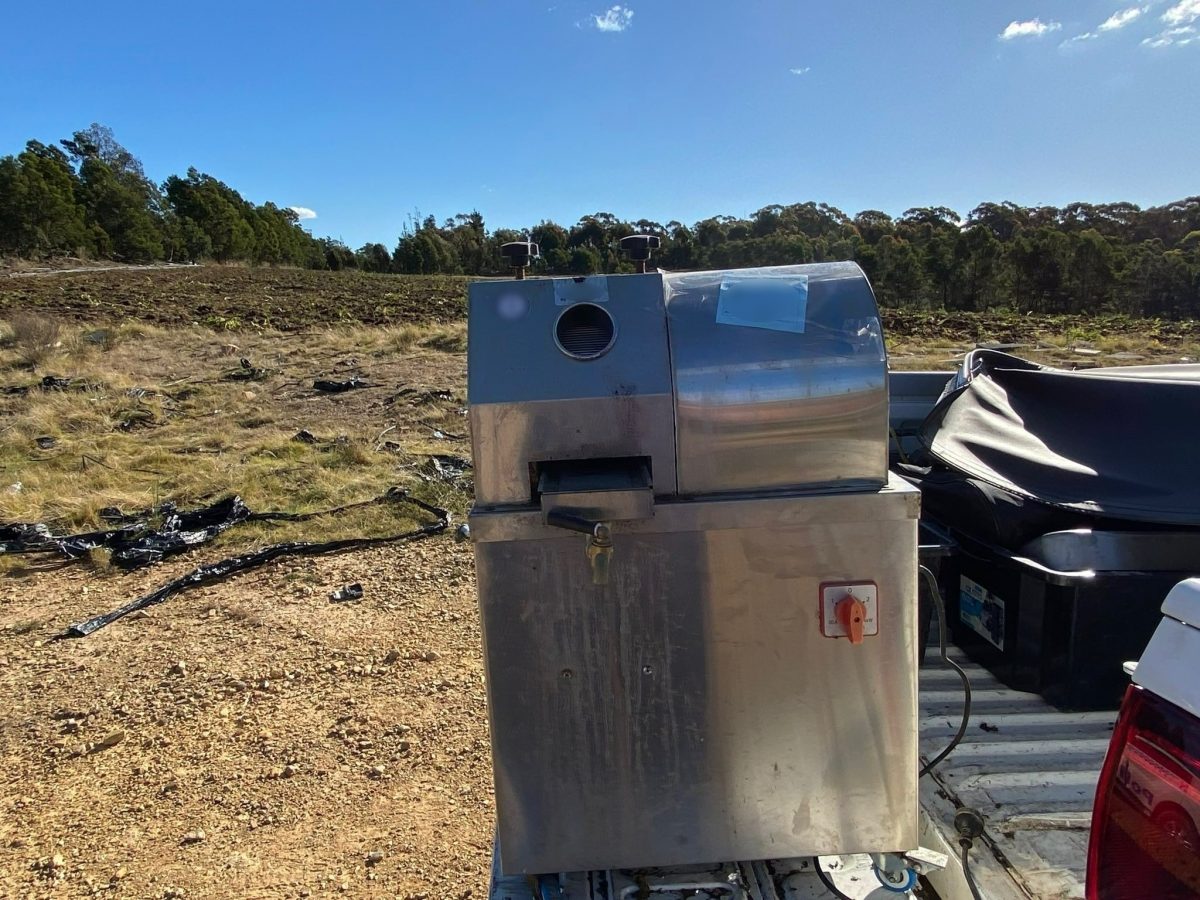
697, 578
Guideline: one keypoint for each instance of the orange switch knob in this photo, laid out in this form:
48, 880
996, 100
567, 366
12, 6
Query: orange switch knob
852, 616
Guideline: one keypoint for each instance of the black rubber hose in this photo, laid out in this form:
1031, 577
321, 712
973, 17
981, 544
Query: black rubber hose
938, 605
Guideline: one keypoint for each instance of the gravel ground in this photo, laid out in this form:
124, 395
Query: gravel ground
249, 740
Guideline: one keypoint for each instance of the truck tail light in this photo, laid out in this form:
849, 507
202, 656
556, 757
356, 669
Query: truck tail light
1145, 839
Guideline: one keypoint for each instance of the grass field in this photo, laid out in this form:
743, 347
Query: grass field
188, 382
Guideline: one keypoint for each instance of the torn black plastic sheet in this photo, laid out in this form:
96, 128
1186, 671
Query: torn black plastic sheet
235, 565
340, 387
134, 543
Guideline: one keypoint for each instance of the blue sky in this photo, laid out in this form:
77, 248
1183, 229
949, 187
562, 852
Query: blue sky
367, 112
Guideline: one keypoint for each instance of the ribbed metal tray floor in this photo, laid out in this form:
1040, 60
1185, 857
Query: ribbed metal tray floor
1030, 769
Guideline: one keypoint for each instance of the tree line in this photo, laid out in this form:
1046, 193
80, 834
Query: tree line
91, 196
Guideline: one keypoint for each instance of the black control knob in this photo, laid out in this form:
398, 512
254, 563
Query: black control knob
519, 254
638, 248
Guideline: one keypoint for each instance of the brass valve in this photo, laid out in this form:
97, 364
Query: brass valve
599, 543
599, 552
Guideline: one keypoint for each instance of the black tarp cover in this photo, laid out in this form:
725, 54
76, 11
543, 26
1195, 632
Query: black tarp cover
1119, 443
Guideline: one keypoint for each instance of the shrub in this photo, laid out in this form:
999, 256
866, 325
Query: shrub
35, 337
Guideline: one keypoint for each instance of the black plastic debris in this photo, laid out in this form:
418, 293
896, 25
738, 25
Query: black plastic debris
247, 372
340, 387
45, 442
15, 390
54, 383
399, 395
113, 514
419, 398
22, 538
234, 565
391, 495
304, 436
447, 468
179, 531
141, 539
348, 592
138, 417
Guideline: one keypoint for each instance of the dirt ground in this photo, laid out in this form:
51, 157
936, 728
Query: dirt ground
236, 297
249, 740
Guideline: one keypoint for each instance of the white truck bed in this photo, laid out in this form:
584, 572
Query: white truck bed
1031, 771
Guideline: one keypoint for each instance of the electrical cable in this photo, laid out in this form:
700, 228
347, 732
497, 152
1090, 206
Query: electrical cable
936, 597
969, 824
830, 886
965, 842
966, 867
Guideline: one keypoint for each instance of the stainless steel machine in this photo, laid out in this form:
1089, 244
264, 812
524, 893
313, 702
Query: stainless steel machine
697, 578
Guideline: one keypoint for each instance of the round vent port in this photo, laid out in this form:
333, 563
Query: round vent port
585, 331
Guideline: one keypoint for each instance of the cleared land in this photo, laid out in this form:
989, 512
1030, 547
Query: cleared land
327, 748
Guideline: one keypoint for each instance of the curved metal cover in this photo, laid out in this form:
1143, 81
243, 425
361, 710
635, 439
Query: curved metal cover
780, 379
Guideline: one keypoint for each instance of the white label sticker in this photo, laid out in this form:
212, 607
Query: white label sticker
777, 304
584, 289
981, 611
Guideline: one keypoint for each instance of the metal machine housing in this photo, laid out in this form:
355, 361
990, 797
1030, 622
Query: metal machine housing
662, 693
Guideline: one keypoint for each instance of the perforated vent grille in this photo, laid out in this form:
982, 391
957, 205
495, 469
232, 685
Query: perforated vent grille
585, 331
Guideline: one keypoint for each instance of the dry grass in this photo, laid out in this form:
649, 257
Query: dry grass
160, 412
448, 337
155, 414
33, 337
1069, 348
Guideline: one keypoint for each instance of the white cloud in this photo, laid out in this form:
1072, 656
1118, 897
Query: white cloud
1122, 17
1079, 39
802, 71
1030, 28
1181, 36
303, 212
1185, 12
615, 18
1180, 31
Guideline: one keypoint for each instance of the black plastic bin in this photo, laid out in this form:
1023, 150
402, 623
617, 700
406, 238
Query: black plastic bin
1064, 632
